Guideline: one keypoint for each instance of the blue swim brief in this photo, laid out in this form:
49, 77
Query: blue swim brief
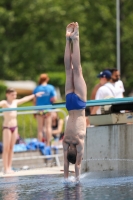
73, 102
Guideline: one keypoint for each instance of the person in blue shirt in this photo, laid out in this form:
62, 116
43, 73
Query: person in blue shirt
43, 116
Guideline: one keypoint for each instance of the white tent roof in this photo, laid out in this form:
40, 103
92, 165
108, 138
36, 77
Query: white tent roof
21, 86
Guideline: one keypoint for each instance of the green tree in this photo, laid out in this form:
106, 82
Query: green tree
32, 37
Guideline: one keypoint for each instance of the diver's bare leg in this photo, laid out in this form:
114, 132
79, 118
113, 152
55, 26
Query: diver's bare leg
79, 82
69, 87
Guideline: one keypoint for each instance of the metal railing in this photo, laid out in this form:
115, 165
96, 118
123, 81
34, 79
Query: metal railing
62, 105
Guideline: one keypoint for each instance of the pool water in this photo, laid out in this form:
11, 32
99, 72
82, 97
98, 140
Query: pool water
93, 185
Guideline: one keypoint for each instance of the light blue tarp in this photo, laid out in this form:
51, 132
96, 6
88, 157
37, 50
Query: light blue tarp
32, 146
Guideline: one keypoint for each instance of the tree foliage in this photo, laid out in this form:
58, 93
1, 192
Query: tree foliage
32, 37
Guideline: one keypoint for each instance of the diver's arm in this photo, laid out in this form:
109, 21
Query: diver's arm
66, 163
80, 151
78, 165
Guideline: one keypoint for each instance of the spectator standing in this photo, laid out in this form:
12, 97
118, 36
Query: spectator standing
118, 84
108, 90
43, 116
102, 80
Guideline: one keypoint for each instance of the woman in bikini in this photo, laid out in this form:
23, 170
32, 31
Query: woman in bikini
10, 128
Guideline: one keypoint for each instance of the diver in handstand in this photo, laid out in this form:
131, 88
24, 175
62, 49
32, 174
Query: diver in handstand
76, 94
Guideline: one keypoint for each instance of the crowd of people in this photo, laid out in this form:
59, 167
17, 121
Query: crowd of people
47, 122
49, 125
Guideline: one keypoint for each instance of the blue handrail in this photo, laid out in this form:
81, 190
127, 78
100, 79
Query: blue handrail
63, 105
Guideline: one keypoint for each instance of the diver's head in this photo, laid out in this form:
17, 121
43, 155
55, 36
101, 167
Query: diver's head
72, 154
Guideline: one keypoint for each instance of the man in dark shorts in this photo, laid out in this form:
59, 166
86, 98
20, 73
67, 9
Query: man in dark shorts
76, 94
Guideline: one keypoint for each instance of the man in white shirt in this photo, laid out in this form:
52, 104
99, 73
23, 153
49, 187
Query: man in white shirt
102, 80
108, 90
118, 84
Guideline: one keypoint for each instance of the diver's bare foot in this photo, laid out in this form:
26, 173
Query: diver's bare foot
69, 30
75, 34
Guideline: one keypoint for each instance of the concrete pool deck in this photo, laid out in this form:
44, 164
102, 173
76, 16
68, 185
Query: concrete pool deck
41, 171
